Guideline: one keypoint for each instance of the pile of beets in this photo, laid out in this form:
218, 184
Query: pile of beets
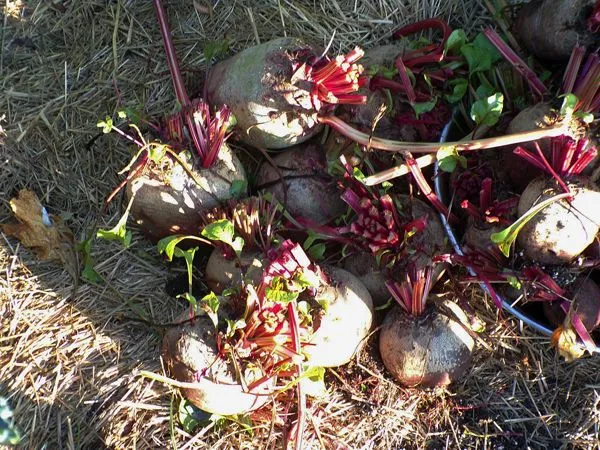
307, 180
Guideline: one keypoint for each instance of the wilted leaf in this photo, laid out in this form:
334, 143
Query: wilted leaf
43, 233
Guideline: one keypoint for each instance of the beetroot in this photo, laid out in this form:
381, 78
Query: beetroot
551, 28
364, 266
363, 116
191, 356
311, 192
432, 350
169, 201
222, 273
563, 230
344, 322
537, 116
585, 295
273, 94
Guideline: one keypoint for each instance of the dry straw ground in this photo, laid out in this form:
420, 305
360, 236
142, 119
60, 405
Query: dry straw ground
69, 361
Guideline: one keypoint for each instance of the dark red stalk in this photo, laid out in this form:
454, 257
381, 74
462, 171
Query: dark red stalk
550, 169
520, 151
432, 53
518, 64
485, 195
573, 69
423, 185
593, 22
471, 210
380, 82
408, 88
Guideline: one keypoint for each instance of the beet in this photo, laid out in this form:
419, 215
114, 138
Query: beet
519, 172
344, 322
430, 350
271, 111
562, 230
168, 201
190, 355
477, 235
364, 266
585, 295
222, 273
311, 192
551, 28
363, 116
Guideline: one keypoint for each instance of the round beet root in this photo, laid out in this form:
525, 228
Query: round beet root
191, 356
222, 273
311, 192
518, 171
429, 350
344, 322
432, 240
363, 116
168, 201
551, 28
364, 266
561, 231
585, 295
271, 110
477, 235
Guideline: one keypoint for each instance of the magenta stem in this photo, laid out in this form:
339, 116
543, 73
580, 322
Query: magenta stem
573, 69
408, 88
548, 167
520, 66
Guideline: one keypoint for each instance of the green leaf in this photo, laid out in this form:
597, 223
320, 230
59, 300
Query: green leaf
317, 251
358, 174
210, 304
505, 238
238, 188
384, 71
190, 299
480, 54
584, 117
118, 233
459, 89
106, 125
423, 107
455, 41
156, 152
215, 49
280, 296
487, 111
313, 381
484, 90
190, 417
568, 105
167, 245
88, 273
188, 255
514, 282
233, 326
448, 159
310, 240
223, 230
122, 115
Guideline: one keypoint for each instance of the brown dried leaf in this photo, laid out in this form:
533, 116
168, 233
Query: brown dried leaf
53, 242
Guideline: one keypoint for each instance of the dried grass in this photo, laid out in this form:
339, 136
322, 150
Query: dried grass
69, 363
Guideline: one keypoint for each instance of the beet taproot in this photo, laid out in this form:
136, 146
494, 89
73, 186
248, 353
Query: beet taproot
585, 296
430, 350
344, 322
169, 201
190, 354
549, 29
562, 230
311, 192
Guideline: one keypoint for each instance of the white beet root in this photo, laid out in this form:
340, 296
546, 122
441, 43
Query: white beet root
190, 355
345, 323
222, 273
311, 192
168, 201
561, 231
430, 350
271, 112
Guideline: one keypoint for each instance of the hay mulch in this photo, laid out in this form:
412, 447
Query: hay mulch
70, 358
